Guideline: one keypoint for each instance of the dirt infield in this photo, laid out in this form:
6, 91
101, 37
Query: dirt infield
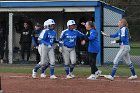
23, 83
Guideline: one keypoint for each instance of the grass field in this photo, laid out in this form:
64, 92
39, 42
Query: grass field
123, 70
135, 48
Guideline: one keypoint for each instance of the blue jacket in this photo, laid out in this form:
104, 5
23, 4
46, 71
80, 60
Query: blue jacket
69, 38
47, 36
35, 35
93, 46
123, 35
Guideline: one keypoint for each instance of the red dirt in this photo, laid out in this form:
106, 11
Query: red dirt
23, 83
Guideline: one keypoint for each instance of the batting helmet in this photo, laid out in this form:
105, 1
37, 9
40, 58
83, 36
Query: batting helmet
70, 22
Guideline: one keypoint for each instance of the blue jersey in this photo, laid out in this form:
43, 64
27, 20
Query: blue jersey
47, 37
93, 46
123, 35
69, 37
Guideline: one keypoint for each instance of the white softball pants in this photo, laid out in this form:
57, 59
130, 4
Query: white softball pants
69, 55
123, 54
46, 54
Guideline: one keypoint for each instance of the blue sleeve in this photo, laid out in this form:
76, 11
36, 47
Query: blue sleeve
34, 42
92, 36
114, 35
79, 34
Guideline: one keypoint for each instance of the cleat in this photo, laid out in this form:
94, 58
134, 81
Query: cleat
72, 75
33, 74
68, 77
109, 77
133, 77
43, 75
92, 77
98, 73
53, 77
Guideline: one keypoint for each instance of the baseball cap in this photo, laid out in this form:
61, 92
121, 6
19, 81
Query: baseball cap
37, 24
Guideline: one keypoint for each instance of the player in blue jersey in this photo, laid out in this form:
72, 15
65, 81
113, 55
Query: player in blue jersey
123, 34
67, 42
47, 38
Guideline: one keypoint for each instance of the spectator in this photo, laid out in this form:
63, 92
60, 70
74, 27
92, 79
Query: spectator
35, 36
25, 40
2, 42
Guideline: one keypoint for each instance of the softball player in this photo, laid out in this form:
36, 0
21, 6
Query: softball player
46, 39
123, 34
67, 42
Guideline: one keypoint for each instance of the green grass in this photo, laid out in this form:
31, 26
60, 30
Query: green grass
135, 44
123, 70
135, 51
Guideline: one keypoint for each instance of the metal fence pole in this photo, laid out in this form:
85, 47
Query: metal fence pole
10, 41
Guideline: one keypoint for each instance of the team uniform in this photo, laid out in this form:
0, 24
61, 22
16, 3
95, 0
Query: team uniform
35, 41
46, 39
123, 53
67, 43
93, 49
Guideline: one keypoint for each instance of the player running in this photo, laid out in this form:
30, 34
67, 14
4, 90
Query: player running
123, 34
47, 39
67, 42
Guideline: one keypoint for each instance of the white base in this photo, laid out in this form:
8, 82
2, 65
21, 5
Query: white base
1, 91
